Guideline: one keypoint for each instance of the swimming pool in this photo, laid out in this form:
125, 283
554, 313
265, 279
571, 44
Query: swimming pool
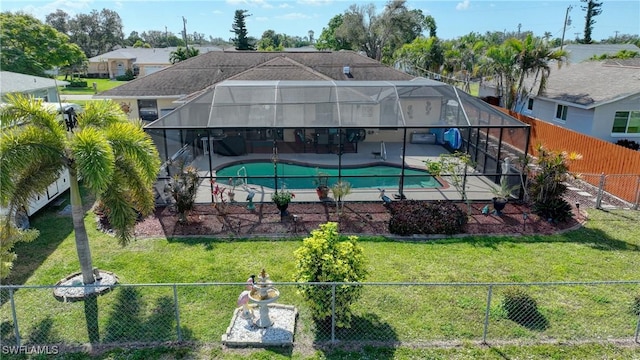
295, 176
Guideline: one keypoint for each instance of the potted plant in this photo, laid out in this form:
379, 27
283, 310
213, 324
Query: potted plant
322, 185
282, 199
340, 190
502, 195
232, 192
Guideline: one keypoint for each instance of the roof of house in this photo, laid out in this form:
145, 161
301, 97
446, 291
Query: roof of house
11, 82
592, 83
146, 55
205, 70
581, 52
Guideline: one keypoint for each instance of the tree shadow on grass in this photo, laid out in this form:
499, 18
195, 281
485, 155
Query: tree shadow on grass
532, 320
53, 229
594, 238
130, 320
366, 332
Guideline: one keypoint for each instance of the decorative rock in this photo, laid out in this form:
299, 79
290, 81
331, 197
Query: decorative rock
243, 332
72, 289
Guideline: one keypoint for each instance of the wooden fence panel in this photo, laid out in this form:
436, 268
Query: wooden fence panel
598, 156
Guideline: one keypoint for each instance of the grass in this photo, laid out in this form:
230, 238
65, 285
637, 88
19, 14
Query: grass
607, 249
102, 85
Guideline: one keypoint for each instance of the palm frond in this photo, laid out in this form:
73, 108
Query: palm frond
94, 158
101, 114
131, 142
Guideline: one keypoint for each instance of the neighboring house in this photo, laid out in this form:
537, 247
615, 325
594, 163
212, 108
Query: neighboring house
36, 86
596, 98
142, 61
577, 53
155, 95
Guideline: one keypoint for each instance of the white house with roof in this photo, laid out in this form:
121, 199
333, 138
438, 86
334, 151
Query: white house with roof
35, 86
596, 98
142, 61
577, 53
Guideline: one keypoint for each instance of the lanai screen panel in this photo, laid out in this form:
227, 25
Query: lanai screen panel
306, 104
194, 114
369, 104
245, 104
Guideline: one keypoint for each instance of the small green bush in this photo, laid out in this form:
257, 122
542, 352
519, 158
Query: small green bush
636, 305
519, 306
128, 76
419, 217
326, 256
556, 210
77, 84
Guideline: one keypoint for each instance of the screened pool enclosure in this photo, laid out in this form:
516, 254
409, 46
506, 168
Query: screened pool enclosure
262, 136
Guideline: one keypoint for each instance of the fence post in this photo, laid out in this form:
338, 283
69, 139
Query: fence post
600, 191
636, 204
638, 330
486, 315
16, 330
333, 313
175, 302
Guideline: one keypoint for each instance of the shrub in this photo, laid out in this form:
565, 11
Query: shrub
183, 188
635, 308
556, 210
519, 306
547, 188
419, 217
325, 256
128, 75
628, 144
77, 84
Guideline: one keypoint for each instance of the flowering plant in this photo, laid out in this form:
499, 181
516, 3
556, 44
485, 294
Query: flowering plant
282, 197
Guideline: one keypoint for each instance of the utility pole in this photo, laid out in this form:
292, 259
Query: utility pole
184, 34
567, 21
166, 35
615, 39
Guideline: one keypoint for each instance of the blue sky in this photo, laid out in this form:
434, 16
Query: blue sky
297, 17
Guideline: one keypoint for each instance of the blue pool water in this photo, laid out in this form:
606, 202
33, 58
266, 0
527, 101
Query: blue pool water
293, 176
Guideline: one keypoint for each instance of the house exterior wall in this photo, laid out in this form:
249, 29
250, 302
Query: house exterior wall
605, 114
596, 122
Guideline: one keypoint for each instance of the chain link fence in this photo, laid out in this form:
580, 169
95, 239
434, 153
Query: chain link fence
416, 314
605, 191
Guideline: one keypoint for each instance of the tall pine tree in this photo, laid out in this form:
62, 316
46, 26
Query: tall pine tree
239, 27
593, 9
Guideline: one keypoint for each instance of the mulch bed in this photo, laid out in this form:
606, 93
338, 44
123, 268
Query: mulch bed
356, 218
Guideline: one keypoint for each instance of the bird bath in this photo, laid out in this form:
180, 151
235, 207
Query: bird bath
263, 294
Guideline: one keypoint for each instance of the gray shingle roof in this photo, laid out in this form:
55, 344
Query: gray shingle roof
591, 83
581, 52
145, 55
11, 82
207, 69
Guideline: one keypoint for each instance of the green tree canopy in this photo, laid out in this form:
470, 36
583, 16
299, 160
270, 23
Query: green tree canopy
380, 35
97, 32
30, 47
328, 39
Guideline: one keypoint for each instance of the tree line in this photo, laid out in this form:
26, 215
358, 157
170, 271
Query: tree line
396, 36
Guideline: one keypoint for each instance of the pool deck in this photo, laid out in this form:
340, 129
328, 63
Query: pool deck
478, 187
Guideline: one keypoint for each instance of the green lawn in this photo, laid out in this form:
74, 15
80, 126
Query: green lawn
102, 85
607, 249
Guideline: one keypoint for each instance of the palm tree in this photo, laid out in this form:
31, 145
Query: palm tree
515, 60
116, 160
182, 53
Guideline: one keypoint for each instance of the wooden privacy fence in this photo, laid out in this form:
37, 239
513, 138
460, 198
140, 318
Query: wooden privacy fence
598, 156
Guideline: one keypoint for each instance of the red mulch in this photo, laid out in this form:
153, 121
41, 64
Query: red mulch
356, 218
